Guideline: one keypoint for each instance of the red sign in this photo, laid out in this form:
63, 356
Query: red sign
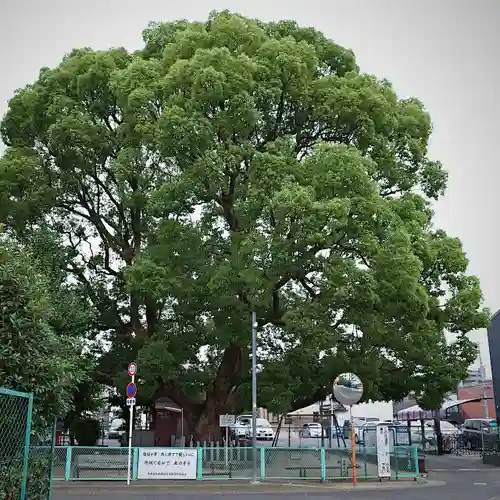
132, 369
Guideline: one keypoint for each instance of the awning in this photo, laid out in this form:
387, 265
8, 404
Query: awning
417, 413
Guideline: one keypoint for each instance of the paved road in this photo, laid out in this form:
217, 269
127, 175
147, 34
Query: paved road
461, 478
483, 488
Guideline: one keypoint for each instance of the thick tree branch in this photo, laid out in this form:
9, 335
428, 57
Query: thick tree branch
273, 133
354, 251
312, 294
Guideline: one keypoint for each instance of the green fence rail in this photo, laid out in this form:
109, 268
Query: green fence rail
110, 464
26, 449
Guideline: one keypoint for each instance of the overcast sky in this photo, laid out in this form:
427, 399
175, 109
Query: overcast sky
443, 52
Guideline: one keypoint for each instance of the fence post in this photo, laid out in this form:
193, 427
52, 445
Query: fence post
415, 460
135, 463
52, 455
27, 437
322, 458
199, 465
67, 470
262, 463
396, 456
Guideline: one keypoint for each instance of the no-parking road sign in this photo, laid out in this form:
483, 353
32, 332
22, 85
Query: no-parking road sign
131, 390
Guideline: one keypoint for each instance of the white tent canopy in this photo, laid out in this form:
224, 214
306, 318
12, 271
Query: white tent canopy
417, 413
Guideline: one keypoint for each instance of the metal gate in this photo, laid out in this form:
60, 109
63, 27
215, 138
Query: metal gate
26, 449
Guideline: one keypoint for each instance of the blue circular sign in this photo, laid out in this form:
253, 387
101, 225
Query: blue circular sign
131, 390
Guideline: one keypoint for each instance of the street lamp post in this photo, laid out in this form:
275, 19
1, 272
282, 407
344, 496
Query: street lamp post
181, 411
331, 420
254, 397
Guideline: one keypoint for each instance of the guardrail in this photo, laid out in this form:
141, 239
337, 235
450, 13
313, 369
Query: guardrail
110, 464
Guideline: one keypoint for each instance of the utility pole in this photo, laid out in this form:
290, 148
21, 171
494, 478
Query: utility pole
331, 420
254, 398
482, 376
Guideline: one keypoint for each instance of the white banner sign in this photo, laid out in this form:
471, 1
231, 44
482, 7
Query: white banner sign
167, 463
383, 452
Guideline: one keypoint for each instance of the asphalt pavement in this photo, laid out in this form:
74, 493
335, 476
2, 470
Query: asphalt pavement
484, 486
450, 478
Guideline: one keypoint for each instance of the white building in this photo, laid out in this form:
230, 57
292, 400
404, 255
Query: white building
474, 377
372, 409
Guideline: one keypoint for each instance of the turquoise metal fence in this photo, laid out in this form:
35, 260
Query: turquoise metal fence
16, 409
26, 449
219, 463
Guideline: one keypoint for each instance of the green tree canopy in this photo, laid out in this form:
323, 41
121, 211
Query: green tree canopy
41, 330
235, 165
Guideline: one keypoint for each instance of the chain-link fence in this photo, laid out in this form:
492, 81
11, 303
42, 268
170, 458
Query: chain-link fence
59, 462
95, 463
425, 438
298, 463
41, 456
103, 463
16, 410
340, 464
403, 462
26, 449
227, 462
473, 443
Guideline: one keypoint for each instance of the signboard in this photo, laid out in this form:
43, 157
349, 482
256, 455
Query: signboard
132, 369
131, 390
227, 420
167, 463
130, 401
383, 452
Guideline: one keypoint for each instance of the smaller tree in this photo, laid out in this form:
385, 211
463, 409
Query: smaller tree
87, 401
40, 323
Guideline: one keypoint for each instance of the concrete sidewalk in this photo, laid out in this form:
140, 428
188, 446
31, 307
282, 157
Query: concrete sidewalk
109, 488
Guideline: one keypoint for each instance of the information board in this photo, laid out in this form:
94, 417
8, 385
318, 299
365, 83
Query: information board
167, 463
383, 452
227, 420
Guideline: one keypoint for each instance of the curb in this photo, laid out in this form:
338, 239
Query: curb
232, 488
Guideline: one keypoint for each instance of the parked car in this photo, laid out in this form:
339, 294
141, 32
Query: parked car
263, 430
240, 427
479, 433
312, 430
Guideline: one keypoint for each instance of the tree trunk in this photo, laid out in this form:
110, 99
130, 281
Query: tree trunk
202, 419
206, 425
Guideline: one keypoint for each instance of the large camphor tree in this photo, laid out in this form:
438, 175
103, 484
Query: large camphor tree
232, 166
